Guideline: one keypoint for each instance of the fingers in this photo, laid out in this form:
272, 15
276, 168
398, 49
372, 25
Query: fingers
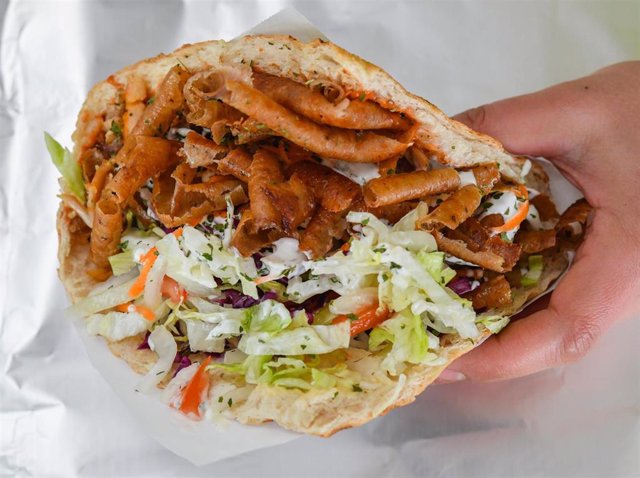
536, 124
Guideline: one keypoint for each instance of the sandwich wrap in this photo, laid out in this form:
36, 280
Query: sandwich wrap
293, 233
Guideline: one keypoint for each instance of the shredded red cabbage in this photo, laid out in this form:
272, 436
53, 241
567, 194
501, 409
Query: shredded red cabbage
460, 285
238, 300
182, 361
145, 343
311, 305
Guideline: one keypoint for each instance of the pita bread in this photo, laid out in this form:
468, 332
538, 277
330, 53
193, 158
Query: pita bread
314, 412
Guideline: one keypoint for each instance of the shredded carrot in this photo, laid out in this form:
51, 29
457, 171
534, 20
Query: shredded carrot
345, 247
515, 221
145, 312
170, 288
366, 319
192, 393
263, 279
147, 263
147, 260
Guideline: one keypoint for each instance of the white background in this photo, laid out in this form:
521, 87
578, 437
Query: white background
57, 415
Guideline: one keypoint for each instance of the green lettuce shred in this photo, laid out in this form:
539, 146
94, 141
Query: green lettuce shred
68, 167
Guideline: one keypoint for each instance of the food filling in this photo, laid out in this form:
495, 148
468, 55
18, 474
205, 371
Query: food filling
291, 233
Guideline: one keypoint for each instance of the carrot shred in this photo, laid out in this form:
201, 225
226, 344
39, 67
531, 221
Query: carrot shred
367, 318
345, 247
147, 260
192, 393
147, 263
515, 221
263, 279
145, 312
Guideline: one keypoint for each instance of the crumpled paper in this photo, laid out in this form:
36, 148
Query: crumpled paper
57, 417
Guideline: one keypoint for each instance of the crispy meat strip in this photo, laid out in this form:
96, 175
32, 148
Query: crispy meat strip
332, 190
176, 202
453, 211
392, 212
418, 158
199, 151
472, 233
494, 293
545, 206
486, 177
492, 220
236, 163
478, 240
398, 188
134, 95
158, 116
536, 241
496, 255
203, 110
148, 157
250, 238
250, 130
325, 226
264, 170
290, 153
310, 102
294, 201
106, 231
578, 212
145, 158
100, 178
327, 141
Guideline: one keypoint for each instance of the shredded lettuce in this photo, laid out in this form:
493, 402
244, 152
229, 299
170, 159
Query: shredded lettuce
105, 298
116, 325
68, 167
495, 323
268, 317
194, 275
313, 339
410, 342
221, 322
536, 266
164, 345
122, 263
434, 263
202, 337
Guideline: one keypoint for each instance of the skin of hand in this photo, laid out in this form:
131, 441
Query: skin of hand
590, 129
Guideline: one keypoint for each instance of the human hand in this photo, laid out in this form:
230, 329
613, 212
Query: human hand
590, 129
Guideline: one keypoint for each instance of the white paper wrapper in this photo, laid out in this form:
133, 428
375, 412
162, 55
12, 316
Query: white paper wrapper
57, 416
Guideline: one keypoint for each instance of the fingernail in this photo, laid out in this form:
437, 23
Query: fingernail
450, 376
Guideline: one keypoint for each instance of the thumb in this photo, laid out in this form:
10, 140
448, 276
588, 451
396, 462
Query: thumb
537, 124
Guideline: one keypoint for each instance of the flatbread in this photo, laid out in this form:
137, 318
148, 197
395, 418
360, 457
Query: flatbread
315, 412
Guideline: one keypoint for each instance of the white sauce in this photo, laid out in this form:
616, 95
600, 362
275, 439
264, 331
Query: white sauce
526, 167
455, 260
285, 255
466, 178
533, 217
360, 173
506, 205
